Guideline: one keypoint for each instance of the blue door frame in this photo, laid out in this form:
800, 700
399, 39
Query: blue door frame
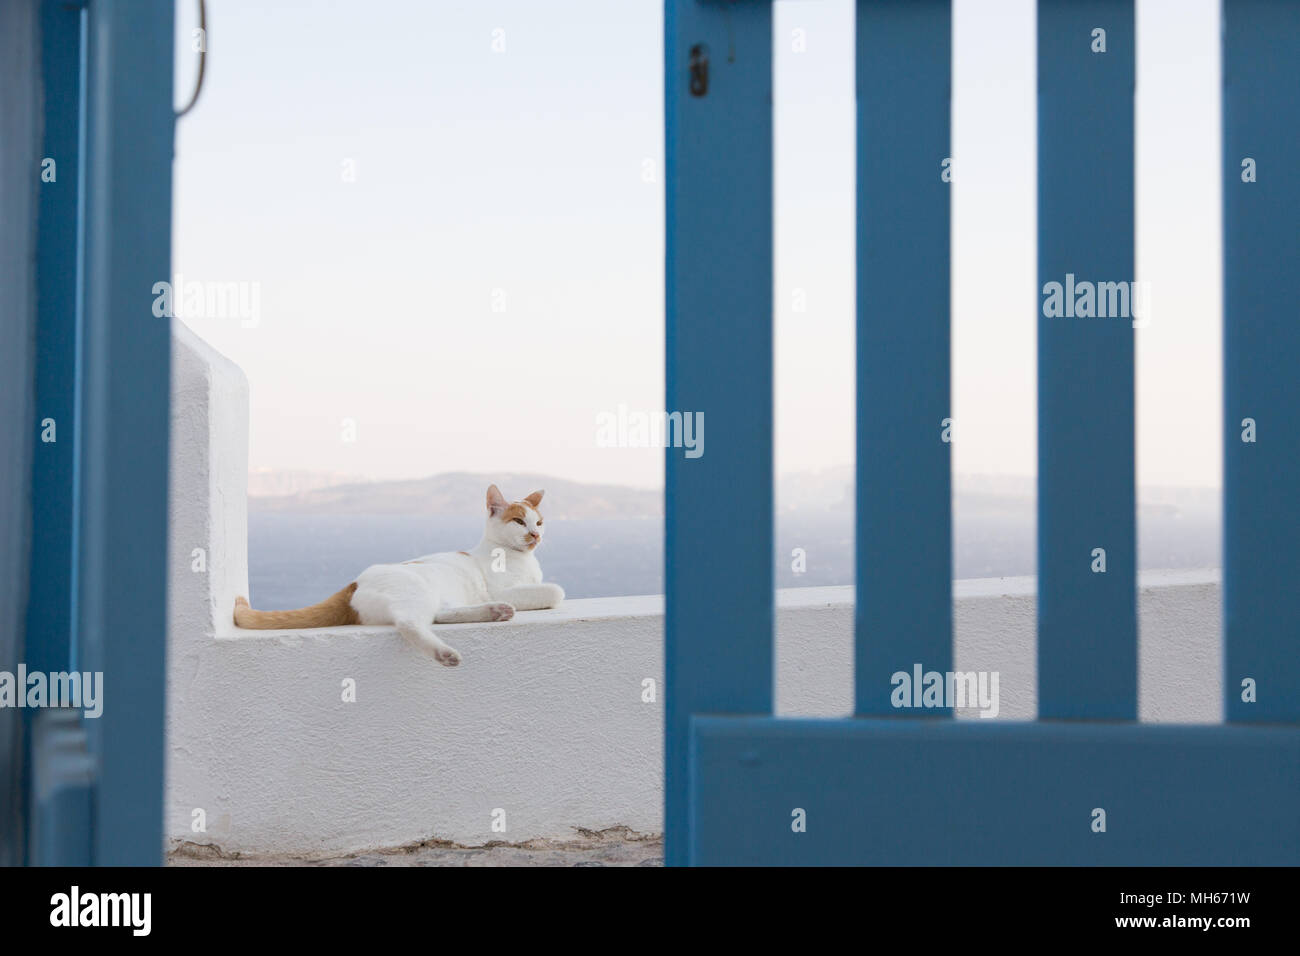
885, 789
99, 492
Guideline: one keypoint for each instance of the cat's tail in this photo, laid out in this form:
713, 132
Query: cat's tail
335, 610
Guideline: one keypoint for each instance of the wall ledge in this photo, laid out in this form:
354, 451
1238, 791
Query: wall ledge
652, 606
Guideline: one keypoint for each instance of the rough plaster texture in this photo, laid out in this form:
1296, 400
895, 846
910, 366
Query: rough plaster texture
545, 719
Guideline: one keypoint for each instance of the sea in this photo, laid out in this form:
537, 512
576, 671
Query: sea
298, 559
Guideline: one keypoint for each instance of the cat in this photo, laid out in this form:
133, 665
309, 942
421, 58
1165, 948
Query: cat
500, 576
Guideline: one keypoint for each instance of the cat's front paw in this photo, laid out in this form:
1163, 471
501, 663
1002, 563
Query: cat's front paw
447, 656
556, 596
501, 612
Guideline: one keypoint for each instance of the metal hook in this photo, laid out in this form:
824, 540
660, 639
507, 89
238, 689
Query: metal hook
699, 69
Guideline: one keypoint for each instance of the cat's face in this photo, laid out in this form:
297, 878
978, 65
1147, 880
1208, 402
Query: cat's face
516, 524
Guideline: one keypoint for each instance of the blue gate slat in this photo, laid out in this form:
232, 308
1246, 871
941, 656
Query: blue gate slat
1087, 618
49, 609
719, 597
903, 613
49, 624
1261, 359
125, 414
945, 792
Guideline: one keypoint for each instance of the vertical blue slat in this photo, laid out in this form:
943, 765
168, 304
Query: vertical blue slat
1261, 351
904, 487
719, 599
49, 609
49, 626
126, 369
1087, 620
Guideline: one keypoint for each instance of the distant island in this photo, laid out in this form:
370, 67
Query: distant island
458, 493
309, 530
302, 491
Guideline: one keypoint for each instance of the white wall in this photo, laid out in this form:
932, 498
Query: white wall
1179, 662
544, 719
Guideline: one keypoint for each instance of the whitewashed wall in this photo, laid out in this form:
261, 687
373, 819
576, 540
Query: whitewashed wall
545, 719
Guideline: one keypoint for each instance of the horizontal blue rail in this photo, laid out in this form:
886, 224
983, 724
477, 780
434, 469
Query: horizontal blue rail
960, 792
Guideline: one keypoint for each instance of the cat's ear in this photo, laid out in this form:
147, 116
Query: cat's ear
496, 501
534, 499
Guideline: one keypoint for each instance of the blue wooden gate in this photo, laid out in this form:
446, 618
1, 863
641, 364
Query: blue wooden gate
888, 789
99, 492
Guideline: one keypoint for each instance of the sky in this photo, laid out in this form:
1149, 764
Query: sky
447, 221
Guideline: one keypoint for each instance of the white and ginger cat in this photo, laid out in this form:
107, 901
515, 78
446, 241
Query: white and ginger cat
500, 576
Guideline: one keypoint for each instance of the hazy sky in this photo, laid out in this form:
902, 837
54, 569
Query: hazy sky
491, 278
